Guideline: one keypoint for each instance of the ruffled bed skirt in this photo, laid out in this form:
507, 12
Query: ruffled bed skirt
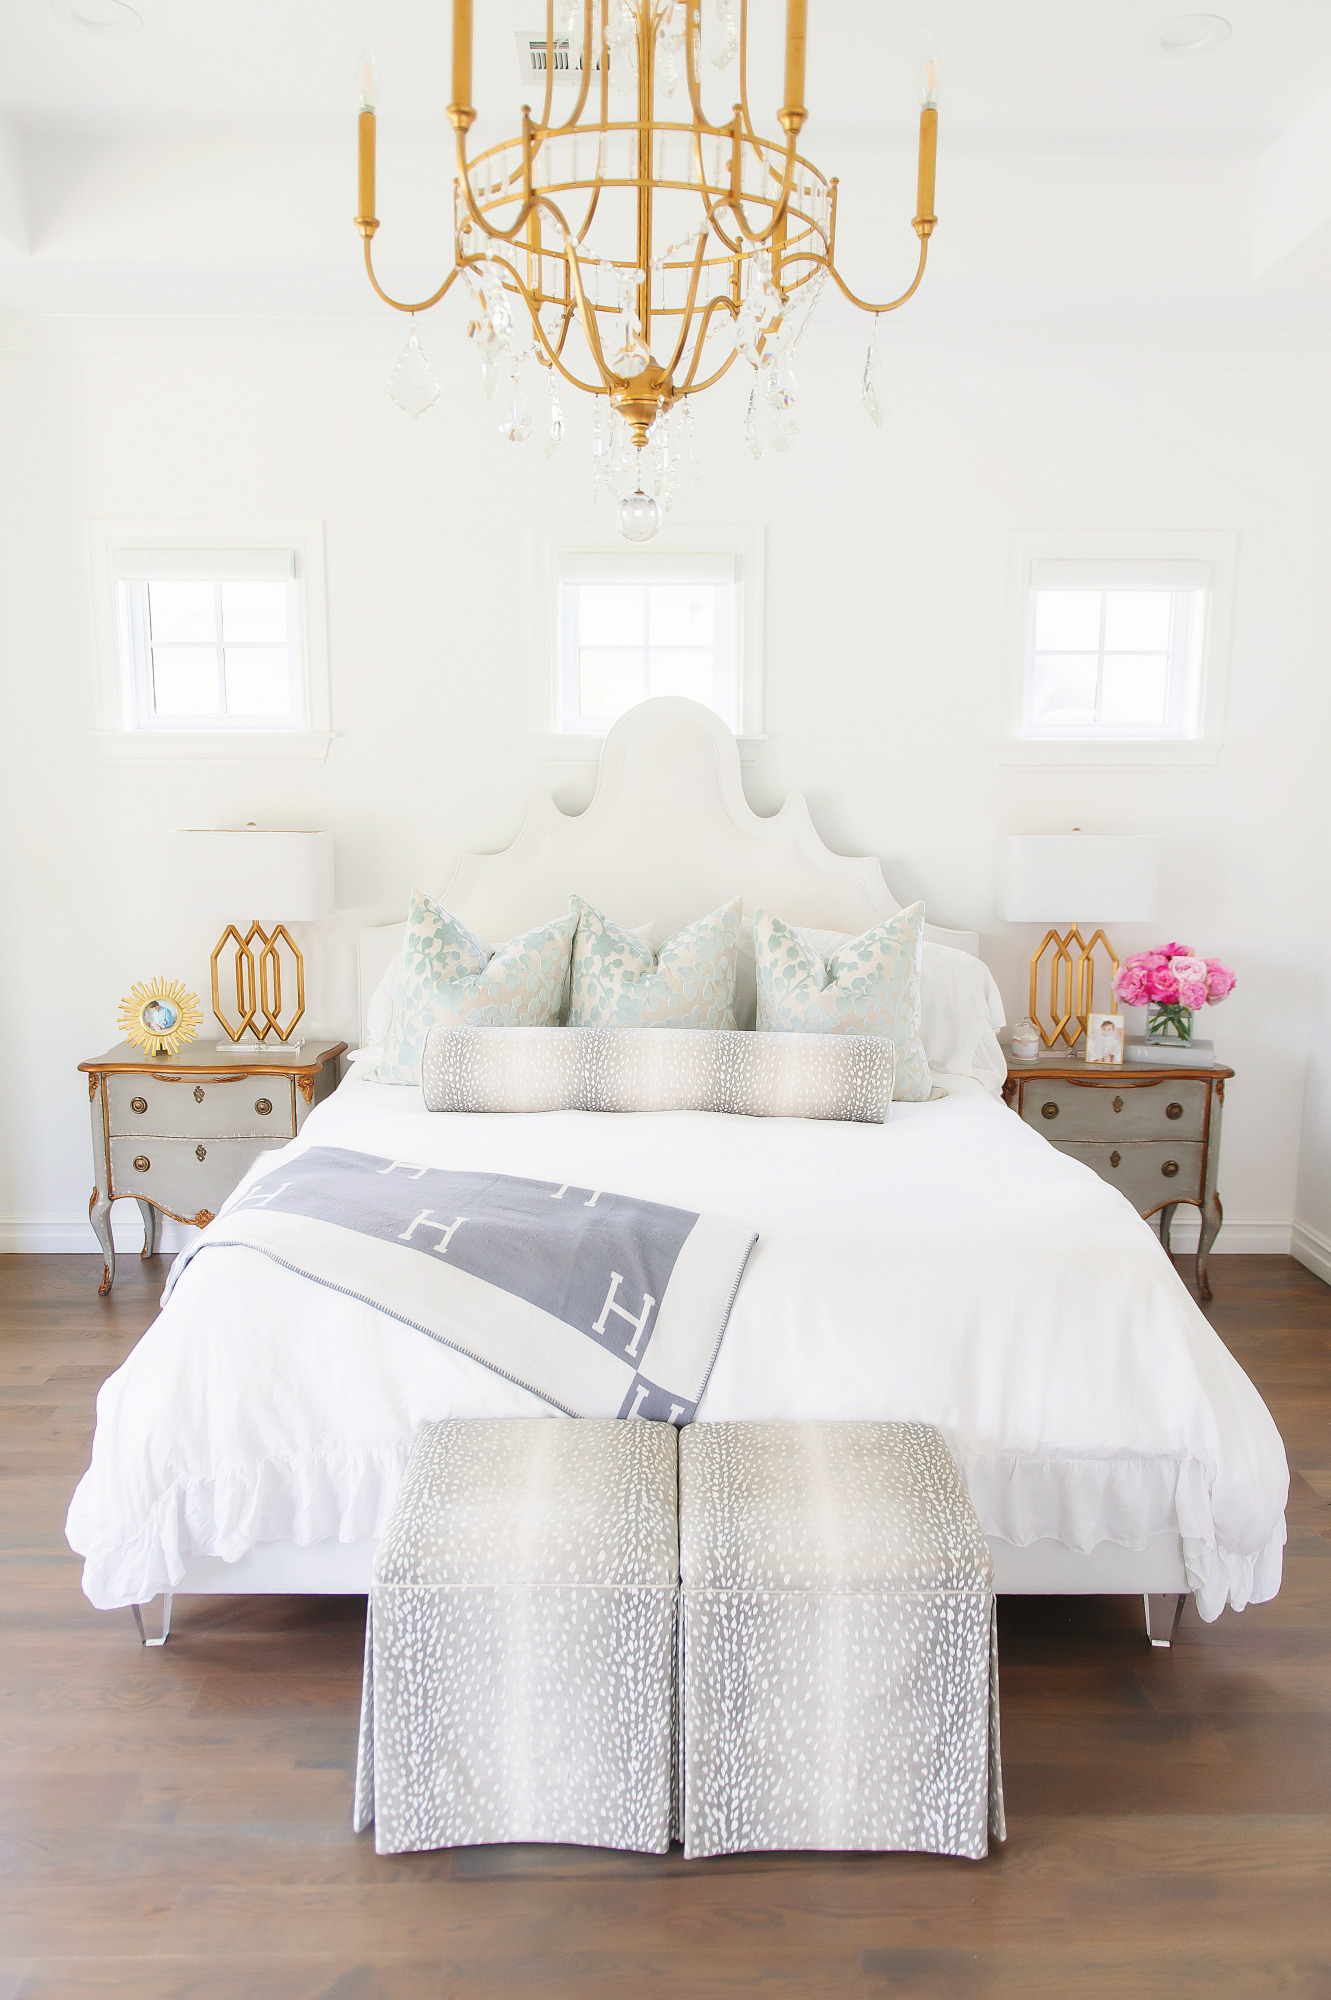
345, 1496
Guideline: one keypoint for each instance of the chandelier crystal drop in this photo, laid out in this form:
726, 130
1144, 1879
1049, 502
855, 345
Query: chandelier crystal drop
636, 249
412, 384
873, 382
553, 436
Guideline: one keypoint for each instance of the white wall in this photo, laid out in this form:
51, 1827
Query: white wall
1312, 1219
886, 620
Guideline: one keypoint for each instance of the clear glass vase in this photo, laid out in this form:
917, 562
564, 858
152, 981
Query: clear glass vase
1169, 1023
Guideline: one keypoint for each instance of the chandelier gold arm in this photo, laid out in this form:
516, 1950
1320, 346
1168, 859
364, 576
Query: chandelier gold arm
609, 381
686, 319
892, 304
702, 123
588, 12
688, 386
400, 305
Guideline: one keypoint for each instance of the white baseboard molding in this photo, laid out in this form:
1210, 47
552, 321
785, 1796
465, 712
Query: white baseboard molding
1312, 1248
1236, 1239
71, 1236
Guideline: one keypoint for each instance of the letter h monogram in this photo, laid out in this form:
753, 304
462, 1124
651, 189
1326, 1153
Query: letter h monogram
638, 1321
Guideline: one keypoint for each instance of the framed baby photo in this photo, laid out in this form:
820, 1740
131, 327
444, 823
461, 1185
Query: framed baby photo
1104, 1038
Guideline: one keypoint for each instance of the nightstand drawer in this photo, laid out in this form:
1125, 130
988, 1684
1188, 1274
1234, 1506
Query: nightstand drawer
180, 1175
149, 1106
1172, 1108
1149, 1175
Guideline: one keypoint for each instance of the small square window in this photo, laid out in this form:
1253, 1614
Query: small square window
633, 626
1115, 650
620, 625
211, 642
211, 652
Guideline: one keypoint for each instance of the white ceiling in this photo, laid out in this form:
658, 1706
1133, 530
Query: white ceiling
1086, 177
1060, 73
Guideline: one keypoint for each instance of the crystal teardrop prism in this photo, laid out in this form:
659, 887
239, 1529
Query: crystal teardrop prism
729, 48
517, 422
874, 381
411, 384
554, 428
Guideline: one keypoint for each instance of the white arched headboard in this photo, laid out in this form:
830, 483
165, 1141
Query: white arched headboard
668, 836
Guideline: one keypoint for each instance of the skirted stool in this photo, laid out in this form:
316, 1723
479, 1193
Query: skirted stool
521, 1639
839, 1661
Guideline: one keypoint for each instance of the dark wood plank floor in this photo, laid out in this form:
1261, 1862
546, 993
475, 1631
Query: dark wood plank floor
177, 1823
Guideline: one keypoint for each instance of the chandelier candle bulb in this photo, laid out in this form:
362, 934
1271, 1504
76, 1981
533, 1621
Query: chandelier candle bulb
796, 36
462, 57
924, 206
365, 219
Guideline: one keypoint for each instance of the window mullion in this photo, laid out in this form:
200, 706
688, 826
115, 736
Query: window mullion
1100, 656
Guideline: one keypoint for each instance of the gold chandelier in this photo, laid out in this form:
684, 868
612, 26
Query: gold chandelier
650, 251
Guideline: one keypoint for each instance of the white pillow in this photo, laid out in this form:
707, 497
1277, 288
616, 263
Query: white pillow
379, 1013
960, 1008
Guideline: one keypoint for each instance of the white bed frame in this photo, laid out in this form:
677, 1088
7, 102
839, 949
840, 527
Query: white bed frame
668, 835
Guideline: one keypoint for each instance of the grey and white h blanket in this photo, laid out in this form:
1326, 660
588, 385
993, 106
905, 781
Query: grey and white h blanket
604, 1305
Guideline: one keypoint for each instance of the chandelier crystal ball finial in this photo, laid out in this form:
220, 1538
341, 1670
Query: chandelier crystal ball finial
639, 517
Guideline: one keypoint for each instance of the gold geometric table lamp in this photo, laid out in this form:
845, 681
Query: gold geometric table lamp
1048, 876
258, 868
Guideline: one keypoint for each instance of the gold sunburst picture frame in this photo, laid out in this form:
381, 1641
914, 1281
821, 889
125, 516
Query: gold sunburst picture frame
160, 1016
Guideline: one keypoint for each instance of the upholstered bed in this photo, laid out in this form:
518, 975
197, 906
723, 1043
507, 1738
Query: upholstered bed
947, 1266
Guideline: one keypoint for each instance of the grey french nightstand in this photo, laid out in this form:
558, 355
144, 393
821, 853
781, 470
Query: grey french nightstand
1151, 1130
177, 1132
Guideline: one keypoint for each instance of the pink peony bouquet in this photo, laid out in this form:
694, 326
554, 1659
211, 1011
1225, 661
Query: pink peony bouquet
1172, 982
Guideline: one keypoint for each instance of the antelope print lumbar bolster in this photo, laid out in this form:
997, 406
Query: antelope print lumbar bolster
604, 1305
846, 1077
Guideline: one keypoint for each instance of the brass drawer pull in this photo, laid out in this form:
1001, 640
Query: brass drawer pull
1169, 1169
139, 1104
141, 1163
1118, 1104
198, 1093
1115, 1159
1049, 1111
200, 1152
263, 1105
1173, 1111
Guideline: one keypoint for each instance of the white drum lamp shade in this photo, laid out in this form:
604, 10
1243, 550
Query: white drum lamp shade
1059, 878
257, 881
254, 872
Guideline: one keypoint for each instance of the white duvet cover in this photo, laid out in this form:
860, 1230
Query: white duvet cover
948, 1266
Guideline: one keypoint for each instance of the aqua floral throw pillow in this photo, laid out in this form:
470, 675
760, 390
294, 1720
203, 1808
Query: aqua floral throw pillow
620, 982
448, 977
869, 986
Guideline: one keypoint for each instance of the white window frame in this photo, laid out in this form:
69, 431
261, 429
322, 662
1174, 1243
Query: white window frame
1105, 560
124, 554
599, 553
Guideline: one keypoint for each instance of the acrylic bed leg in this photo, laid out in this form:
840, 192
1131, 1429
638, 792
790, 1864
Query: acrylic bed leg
144, 1640
1156, 1634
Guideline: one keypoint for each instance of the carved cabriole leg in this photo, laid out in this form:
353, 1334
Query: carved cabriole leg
1212, 1217
1167, 1223
99, 1215
1212, 1213
152, 1227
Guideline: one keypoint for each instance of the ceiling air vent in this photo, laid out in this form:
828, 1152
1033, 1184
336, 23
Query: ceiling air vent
531, 59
